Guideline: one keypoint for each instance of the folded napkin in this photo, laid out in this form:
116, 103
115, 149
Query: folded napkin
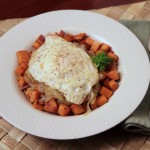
139, 120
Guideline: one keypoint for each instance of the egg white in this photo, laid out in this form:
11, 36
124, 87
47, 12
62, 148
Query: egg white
65, 67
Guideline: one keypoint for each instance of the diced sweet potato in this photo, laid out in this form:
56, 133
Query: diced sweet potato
113, 75
106, 83
113, 85
106, 92
24, 66
22, 83
82, 42
101, 100
95, 46
105, 47
77, 109
37, 105
61, 33
89, 41
99, 51
41, 102
79, 37
21, 69
113, 56
63, 110
51, 106
68, 37
36, 45
23, 57
93, 105
32, 95
40, 39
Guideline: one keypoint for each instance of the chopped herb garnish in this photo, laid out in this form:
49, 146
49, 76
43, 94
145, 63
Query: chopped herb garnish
101, 61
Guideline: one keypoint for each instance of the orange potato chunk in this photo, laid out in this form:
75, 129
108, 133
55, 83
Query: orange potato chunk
99, 51
89, 41
37, 105
23, 57
24, 66
77, 109
32, 95
95, 46
106, 83
79, 37
113, 74
36, 45
106, 92
21, 69
113, 85
61, 33
40, 39
63, 110
51, 106
22, 83
68, 37
101, 100
113, 56
105, 47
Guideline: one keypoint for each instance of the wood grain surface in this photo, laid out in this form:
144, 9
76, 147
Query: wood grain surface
12, 138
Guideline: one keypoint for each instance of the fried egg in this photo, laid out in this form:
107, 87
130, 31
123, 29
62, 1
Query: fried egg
64, 67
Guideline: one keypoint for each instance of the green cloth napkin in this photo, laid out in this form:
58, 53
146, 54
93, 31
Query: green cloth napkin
139, 120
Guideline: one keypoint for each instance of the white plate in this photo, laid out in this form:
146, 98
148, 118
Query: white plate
134, 68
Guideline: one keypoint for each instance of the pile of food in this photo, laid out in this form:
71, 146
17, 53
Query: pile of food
67, 74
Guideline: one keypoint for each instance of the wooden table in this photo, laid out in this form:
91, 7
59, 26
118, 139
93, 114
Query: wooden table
12, 138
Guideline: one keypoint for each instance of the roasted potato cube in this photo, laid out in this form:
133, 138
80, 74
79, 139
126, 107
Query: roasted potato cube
51, 106
106, 83
21, 69
99, 51
23, 57
113, 56
95, 46
105, 47
40, 39
89, 41
63, 110
77, 109
106, 92
101, 100
22, 83
113, 85
37, 105
61, 33
79, 37
36, 45
32, 95
113, 75
68, 37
